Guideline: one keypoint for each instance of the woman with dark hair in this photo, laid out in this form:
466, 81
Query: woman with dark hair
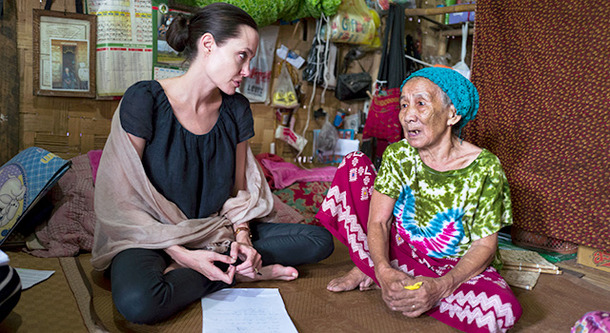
178, 186
425, 228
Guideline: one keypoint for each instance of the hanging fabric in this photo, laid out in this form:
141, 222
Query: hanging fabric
382, 120
78, 5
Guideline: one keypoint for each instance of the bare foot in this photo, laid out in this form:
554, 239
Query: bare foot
350, 281
272, 272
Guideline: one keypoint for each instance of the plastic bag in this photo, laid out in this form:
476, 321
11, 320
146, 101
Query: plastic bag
355, 23
287, 134
284, 95
461, 66
256, 86
385, 4
327, 139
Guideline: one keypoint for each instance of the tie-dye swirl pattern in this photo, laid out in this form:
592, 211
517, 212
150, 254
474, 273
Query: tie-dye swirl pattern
442, 213
439, 238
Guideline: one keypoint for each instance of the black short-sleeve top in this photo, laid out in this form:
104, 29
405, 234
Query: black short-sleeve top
196, 172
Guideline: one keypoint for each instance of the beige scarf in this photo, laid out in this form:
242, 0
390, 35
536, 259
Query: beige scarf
132, 213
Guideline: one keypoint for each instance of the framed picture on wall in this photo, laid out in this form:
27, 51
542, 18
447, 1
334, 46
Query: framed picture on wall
64, 54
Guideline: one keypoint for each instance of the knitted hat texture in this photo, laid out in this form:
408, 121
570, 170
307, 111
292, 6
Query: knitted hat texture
461, 91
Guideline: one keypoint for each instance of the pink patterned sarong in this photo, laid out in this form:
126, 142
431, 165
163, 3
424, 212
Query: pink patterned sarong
485, 303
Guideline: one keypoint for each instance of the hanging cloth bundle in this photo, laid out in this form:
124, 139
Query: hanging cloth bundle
393, 68
382, 120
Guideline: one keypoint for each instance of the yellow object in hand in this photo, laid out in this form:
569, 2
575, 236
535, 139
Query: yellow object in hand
414, 286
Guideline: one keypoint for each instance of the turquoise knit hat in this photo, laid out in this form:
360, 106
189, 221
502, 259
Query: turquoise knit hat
461, 91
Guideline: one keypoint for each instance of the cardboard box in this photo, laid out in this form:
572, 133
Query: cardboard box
457, 17
591, 257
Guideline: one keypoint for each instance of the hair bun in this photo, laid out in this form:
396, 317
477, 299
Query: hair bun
178, 33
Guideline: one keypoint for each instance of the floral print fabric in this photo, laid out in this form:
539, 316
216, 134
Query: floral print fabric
305, 197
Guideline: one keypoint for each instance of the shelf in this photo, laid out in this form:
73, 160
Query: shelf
455, 32
440, 10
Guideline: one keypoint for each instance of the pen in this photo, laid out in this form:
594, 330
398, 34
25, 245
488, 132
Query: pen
414, 286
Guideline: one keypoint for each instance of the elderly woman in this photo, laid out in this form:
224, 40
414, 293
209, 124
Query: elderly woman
425, 228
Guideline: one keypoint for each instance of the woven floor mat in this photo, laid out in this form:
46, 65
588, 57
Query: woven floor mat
311, 307
46, 307
554, 305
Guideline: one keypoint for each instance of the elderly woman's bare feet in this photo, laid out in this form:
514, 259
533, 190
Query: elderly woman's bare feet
350, 281
272, 272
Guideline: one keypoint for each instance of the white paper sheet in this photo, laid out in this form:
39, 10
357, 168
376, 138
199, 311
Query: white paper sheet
290, 56
30, 277
4, 260
245, 310
346, 146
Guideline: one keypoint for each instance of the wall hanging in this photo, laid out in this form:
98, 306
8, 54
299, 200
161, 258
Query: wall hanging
64, 54
382, 120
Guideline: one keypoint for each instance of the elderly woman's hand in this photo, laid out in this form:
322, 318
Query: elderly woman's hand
427, 296
392, 282
412, 303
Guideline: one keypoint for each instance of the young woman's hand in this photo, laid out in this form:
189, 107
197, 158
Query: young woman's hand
203, 262
251, 259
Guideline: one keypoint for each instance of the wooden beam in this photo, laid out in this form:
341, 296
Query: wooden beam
455, 32
440, 10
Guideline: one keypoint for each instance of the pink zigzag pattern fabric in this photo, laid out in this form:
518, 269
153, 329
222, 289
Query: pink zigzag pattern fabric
478, 310
344, 212
403, 268
335, 203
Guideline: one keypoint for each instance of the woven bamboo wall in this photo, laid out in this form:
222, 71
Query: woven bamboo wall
66, 126
72, 126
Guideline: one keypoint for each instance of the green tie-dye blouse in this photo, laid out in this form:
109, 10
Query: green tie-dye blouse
442, 213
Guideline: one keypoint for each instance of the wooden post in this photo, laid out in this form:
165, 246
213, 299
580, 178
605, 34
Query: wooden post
9, 84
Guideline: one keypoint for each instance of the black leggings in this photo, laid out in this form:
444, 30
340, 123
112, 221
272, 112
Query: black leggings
143, 294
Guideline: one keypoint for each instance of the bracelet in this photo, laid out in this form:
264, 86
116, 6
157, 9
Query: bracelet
242, 229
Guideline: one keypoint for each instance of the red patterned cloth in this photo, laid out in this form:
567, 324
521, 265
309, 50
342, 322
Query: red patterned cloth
70, 227
382, 120
544, 111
